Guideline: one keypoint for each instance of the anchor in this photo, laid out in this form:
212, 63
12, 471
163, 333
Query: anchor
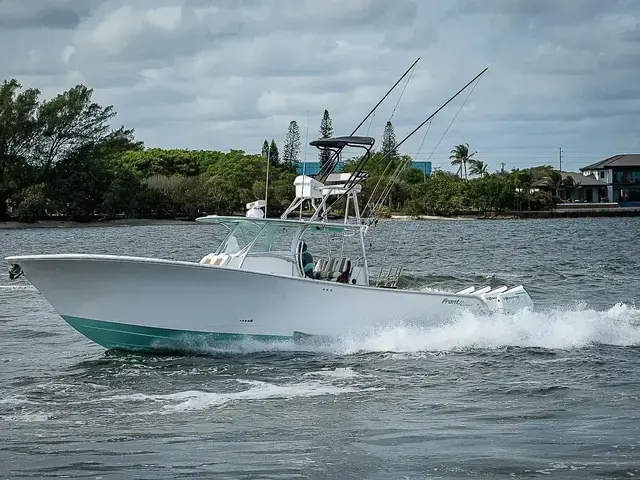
15, 271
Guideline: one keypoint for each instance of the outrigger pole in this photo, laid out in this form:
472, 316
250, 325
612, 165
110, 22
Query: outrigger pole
385, 96
333, 160
355, 174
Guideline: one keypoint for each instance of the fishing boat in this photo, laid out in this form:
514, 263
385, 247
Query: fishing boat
290, 278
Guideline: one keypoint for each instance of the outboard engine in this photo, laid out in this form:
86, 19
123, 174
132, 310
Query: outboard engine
513, 300
502, 299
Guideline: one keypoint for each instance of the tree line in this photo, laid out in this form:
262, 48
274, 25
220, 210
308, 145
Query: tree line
444, 193
61, 158
292, 144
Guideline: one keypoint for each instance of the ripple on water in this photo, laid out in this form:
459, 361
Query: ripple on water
549, 392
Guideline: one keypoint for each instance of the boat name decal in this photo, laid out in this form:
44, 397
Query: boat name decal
451, 301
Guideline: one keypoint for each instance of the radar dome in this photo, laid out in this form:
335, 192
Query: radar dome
255, 213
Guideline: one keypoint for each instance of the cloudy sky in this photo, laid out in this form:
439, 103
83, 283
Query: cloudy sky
228, 73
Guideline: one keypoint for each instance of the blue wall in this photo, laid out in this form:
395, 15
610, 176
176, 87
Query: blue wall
424, 167
312, 168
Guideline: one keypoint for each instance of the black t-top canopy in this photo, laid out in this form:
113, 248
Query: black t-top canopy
341, 142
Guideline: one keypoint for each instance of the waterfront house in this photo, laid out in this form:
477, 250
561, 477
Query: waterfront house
587, 187
621, 176
583, 188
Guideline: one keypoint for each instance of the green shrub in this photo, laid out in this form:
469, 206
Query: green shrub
31, 203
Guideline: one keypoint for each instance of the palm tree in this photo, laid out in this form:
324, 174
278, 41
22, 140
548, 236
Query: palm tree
563, 188
569, 187
460, 156
554, 180
477, 167
524, 179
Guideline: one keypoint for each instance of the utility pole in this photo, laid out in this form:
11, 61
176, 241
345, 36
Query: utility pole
560, 157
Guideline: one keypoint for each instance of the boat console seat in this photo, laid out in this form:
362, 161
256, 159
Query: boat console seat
319, 267
331, 269
216, 260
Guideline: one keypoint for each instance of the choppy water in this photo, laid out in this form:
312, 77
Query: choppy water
549, 393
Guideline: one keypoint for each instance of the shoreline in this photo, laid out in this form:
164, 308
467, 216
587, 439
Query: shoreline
526, 214
522, 215
133, 222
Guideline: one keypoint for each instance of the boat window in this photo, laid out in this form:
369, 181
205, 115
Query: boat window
324, 243
240, 237
276, 238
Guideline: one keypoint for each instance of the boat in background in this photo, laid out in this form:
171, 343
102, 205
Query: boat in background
257, 284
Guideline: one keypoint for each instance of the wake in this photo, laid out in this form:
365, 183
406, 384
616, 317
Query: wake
556, 329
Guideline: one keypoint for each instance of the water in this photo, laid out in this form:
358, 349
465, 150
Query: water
549, 393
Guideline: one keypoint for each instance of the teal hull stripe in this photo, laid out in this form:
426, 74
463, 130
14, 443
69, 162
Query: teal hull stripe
113, 335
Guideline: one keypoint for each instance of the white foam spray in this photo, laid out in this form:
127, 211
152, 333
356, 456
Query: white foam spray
556, 329
24, 288
559, 328
199, 400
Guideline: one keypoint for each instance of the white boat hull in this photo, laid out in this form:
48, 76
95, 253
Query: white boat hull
149, 304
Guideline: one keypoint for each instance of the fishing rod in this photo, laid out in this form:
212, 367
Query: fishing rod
325, 170
353, 179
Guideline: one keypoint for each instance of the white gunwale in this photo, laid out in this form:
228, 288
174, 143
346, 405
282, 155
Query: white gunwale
182, 263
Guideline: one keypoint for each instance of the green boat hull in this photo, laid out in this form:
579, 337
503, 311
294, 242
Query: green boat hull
118, 336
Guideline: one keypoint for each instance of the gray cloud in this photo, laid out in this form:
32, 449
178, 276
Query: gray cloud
44, 14
227, 74
546, 13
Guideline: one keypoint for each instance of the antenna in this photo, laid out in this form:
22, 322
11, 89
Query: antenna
304, 164
266, 187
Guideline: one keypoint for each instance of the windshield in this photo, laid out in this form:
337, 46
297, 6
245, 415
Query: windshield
325, 243
241, 235
276, 238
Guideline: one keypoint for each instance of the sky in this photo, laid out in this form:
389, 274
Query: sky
223, 75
